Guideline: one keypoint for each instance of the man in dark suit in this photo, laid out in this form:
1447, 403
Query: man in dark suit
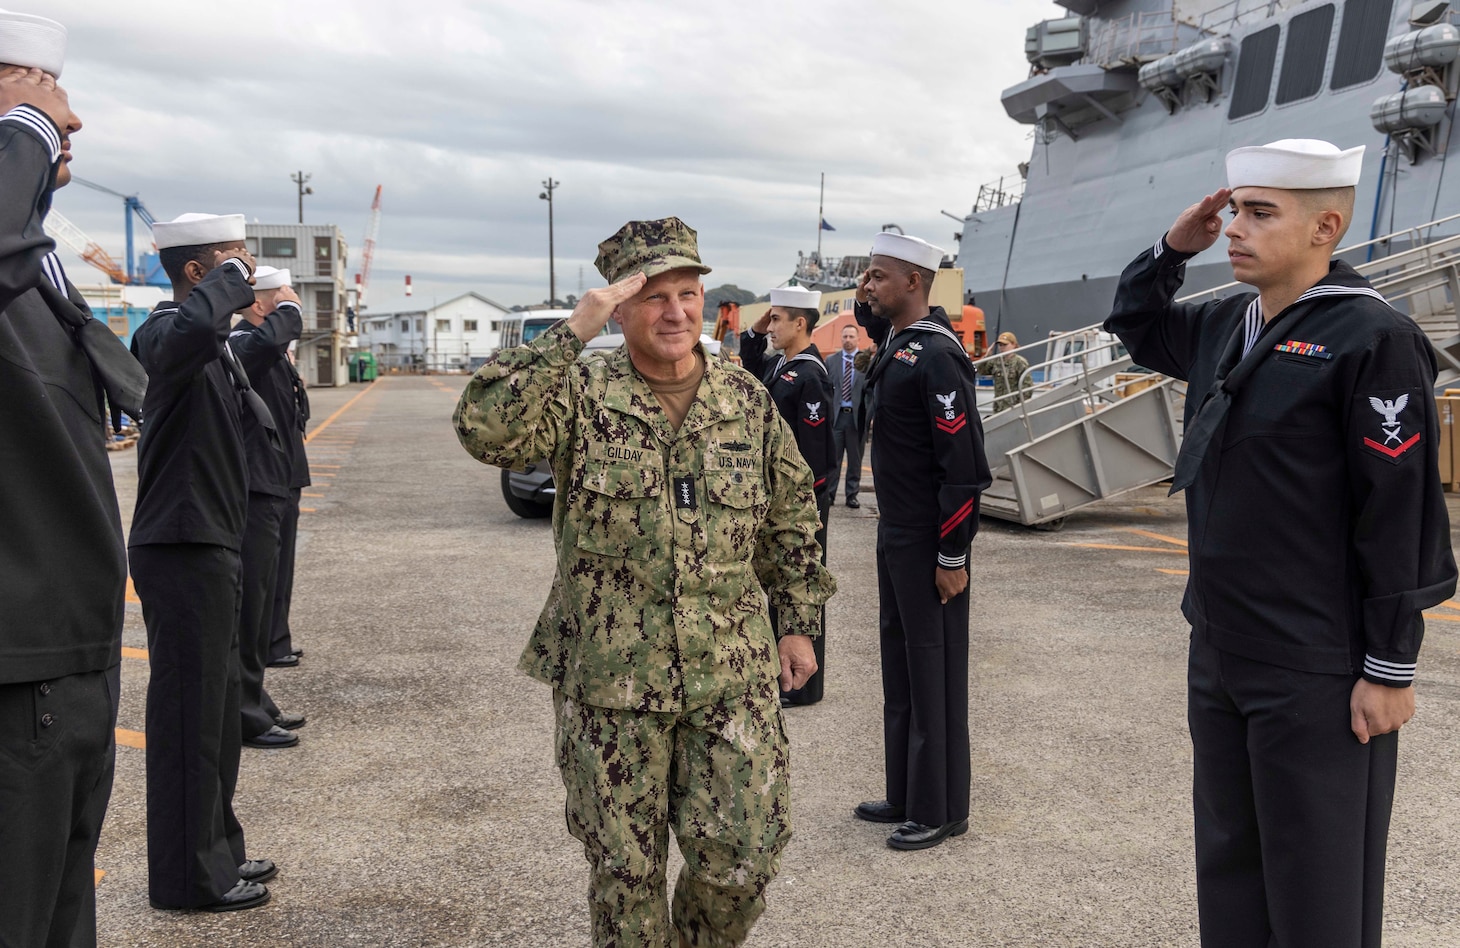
847, 382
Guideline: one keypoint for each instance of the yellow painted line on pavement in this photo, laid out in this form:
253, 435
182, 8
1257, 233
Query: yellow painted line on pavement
99, 874
128, 738
134, 653
302, 494
307, 510
1174, 572
1450, 603
1442, 616
131, 595
1131, 549
340, 411
1154, 536
312, 466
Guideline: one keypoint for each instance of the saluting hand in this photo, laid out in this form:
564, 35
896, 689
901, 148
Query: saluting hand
862, 280
21, 86
1200, 225
798, 661
240, 254
286, 294
597, 305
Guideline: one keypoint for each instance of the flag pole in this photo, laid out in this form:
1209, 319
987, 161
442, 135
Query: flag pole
820, 216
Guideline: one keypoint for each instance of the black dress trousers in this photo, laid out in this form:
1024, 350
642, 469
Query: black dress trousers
924, 680
190, 598
1292, 812
815, 687
281, 643
57, 758
260, 556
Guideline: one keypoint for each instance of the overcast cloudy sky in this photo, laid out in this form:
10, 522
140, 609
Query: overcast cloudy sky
722, 113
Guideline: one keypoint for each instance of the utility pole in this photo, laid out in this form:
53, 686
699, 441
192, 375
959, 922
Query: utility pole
547, 195
301, 179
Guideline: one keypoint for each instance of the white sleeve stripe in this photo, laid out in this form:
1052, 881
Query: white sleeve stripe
289, 303
1393, 666
1389, 671
1160, 246
952, 562
242, 267
39, 123
51, 267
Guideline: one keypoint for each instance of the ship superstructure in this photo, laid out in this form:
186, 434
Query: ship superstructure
1133, 105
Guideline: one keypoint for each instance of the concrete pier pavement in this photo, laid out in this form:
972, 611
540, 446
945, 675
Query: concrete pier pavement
422, 806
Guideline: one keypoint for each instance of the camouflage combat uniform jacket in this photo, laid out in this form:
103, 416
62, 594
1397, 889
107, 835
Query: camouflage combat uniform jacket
665, 539
1007, 371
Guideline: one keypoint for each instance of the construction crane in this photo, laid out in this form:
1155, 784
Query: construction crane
367, 256
73, 238
131, 205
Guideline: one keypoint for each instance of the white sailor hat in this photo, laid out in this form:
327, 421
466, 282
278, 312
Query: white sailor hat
33, 42
271, 278
796, 297
917, 252
193, 230
1294, 164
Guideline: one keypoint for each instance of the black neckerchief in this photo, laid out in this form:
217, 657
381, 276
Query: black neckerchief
1234, 369
117, 373
241, 384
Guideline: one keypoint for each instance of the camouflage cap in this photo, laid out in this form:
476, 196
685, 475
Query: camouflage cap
651, 248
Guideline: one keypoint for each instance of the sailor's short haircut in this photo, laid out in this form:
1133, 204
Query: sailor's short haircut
173, 259
1341, 200
807, 313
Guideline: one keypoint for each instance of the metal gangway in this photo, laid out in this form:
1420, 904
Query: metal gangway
1096, 426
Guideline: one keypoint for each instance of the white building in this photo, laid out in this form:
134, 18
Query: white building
450, 336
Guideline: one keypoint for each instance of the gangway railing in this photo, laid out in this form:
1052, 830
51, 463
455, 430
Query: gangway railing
1078, 433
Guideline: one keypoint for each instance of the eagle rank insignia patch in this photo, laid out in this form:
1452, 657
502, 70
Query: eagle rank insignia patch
953, 420
1392, 441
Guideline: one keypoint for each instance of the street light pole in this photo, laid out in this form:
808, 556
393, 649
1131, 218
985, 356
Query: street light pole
301, 179
547, 195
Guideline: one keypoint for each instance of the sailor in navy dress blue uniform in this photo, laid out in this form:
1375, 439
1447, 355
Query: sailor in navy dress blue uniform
800, 386
929, 466
1319, 533
185, 542
260, 341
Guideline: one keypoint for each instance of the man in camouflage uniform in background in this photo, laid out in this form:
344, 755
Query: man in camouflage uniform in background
1011, 386
683, 503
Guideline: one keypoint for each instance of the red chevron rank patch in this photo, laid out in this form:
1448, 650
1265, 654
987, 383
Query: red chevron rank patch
952, 425
1395, 451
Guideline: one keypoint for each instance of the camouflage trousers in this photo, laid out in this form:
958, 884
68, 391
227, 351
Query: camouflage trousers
718, 775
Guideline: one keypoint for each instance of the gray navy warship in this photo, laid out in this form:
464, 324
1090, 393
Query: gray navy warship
1135, 103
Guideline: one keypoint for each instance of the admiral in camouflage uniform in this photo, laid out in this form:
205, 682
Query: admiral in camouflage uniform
683, 504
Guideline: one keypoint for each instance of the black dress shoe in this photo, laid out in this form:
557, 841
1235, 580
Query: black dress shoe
879, 811
258, 870
290, 721
853, 503
273, 737
297, 653
912, 835
243, 895
286, 661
